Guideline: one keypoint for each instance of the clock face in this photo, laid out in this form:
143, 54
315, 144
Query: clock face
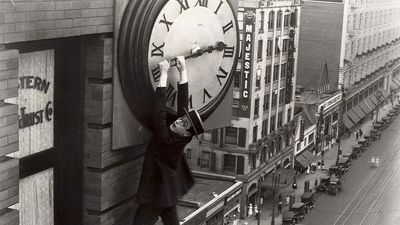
179, 27
154, 30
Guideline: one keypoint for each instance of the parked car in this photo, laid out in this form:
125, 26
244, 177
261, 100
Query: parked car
335, 185
288, 218
308, 199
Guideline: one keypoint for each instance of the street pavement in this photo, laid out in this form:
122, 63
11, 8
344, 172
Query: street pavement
330, 156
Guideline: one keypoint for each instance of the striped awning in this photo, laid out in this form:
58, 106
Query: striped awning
358, 111
347, 122
370, 103
364, 107
353, 117
374, 99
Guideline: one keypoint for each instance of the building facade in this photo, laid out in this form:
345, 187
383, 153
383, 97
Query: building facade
359, 39
260, 137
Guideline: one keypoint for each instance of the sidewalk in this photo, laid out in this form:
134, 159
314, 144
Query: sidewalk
347, 143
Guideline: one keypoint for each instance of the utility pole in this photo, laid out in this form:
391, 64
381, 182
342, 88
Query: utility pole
275, 183
340, 125
259, 201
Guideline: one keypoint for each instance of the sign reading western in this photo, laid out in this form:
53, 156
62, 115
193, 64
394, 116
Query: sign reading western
247, 55
35, 101
290, 68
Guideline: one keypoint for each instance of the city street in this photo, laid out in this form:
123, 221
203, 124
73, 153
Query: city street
370, 195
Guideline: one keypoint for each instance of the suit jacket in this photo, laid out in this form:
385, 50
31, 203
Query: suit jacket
166, 175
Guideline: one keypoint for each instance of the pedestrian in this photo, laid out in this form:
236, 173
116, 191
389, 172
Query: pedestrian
391, 100
287, 199
361, 133
372, 114
322, 164
279, 207
294, 185
316, 182
308, 169
356, 136
314, 167
166, 175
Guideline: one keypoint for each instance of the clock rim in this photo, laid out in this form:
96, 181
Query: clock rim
137, 22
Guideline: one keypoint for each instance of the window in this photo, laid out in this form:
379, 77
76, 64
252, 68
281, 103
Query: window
285, 45
264, 129
283, 70
276, 72
274, 99
207, 136
280, 119
279, 20
256, 107
269, 48
277, 49
282, 96
272, 124
271, 16
259, 50
298, 146
231, 135
311, 138
188, 155
234, 164
258, 78
229, 163
255, 131
268, 74
266, 102
286, 20
262, 22
289, 115
236, 79
205, 159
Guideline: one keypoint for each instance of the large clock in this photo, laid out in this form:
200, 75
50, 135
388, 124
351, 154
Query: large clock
204, 31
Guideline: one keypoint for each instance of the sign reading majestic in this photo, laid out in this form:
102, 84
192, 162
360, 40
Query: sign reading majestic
247, 56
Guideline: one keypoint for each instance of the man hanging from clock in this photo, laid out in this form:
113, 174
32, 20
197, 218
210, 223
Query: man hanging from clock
166, 175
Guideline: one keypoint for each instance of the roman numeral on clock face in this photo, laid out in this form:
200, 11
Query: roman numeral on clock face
171, 94
166, 22
203, 3
218, 7
184, 4
228, 51
156, 73
157, 50
206, 94
223, 76
227, 26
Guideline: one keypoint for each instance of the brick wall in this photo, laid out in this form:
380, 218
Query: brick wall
9, 167
28, 20
110, 176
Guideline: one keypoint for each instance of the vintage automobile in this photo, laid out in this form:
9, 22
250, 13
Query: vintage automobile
323, 184
335, 185
288, 218
338, 171
299, 210
308, 199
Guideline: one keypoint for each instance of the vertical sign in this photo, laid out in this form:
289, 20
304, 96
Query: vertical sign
36, 133
246, 73
290, 68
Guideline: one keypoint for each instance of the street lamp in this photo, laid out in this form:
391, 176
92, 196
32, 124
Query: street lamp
275, 183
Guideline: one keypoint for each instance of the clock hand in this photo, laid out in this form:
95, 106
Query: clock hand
218, 47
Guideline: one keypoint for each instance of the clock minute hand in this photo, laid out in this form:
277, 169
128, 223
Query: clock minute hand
220, 46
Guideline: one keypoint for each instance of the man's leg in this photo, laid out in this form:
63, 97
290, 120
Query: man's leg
169, 216
146, 215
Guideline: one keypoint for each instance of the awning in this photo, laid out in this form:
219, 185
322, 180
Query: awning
353, 117
286, 178
358, 111
370, 103
365, 108
309, 156
374, 99
347, 122
301, 161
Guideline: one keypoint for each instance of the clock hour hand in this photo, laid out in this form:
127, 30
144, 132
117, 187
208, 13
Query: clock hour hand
220, 46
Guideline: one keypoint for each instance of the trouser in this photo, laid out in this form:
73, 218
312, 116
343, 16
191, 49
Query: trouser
147, 214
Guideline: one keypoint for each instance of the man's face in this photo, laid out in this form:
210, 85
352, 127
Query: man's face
181, 126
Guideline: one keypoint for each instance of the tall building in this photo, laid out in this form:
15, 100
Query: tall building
359, 40
260, 137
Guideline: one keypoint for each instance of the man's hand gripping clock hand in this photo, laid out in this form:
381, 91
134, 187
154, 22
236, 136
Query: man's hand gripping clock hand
164, 67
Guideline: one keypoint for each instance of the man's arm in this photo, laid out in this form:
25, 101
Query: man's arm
161, 130
183, 86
